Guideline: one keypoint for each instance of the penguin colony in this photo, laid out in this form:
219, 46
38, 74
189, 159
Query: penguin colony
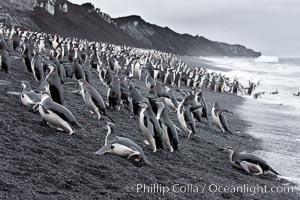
172, 88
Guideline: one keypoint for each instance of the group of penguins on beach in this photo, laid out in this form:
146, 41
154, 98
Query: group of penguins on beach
166, 85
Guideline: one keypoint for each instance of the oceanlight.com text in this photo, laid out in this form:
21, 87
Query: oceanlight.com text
210, 188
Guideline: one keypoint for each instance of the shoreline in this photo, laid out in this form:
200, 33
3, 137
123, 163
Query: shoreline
269, 137
197, 61
39, 162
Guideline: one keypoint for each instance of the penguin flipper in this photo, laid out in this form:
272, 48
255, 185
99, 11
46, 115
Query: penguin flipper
244, 166
195, 108
15, 93
44, 109
146, 160
272, 170
61, 111
4, 82
103, 150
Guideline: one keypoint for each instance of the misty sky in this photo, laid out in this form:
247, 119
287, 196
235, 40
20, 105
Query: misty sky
269, 26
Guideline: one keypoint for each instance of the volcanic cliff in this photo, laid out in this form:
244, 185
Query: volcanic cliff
85, 21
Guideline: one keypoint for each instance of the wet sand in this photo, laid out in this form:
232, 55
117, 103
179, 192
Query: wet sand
37, 162
201, 62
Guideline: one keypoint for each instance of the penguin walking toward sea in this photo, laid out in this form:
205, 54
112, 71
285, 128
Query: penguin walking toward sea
37, 67
147, 126
204, 105
168, 95
122, 147
78, 70
27, 57
56, 87
69, 69
153, 113
28, 96
125, 92
193, 98
57, 115
87, 70
158, 107
167, 125
250, 163
114, 93
185, 118
135, 97
5, 62
60, 67
93, 99
219, 119
251, 88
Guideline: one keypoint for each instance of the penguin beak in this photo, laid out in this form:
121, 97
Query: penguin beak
229, 112
221, 149
157, 100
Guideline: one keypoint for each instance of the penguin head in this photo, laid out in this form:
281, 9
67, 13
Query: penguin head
45, 96
25, 84
144, 104
81, 82
216, 105
227, 149
44, 86
160, 102
51, 67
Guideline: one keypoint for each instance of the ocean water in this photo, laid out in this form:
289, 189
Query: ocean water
275, 118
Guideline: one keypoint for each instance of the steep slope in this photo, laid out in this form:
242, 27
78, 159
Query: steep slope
85, 21
167, 40
17, 13
79, 22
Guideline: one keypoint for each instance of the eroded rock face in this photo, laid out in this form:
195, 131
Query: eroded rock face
42, 15
167, 40
63, 7
17, 13
50, 7
19, 4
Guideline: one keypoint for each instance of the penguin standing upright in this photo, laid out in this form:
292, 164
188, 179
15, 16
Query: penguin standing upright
56, 87
114, 93
218, 117
93, 99
147, 126
27, 57
168, 126
37, 67
78, 70
5, 64
185, 118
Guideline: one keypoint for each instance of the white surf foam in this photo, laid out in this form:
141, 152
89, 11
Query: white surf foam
281, 77
275, 118
267, 59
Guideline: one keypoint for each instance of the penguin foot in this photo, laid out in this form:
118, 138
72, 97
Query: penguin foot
171, 150
133, 155
72, 132
146, 142
43, 122
189, 136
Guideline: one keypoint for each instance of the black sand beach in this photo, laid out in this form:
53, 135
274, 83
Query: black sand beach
38, 162
198, 61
